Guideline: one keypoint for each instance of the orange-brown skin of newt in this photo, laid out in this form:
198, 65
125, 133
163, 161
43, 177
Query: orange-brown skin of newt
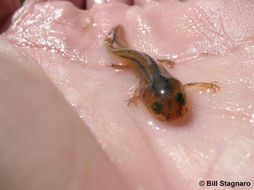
163, 94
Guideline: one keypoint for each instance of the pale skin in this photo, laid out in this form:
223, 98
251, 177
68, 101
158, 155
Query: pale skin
65, 123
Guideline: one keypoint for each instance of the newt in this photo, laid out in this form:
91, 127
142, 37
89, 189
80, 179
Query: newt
163, 95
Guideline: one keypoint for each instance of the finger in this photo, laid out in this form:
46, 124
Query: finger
32, 2
78, 3
143, 3
91, 3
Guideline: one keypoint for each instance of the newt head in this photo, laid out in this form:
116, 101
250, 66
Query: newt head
165, 98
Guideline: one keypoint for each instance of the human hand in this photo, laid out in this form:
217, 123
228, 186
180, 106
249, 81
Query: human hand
111, 145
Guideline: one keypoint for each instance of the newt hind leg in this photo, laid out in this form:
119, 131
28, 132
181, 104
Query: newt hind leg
208, 86
119, 66
166, 63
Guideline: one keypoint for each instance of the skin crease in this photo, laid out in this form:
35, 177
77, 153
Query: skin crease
110, 143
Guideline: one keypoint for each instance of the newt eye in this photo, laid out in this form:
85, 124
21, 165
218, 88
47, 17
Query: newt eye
180, 98
157, 107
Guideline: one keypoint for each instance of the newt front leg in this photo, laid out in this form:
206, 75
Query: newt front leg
213, 85
136, 95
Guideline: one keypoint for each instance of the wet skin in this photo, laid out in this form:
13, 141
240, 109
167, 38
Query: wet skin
90, 138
